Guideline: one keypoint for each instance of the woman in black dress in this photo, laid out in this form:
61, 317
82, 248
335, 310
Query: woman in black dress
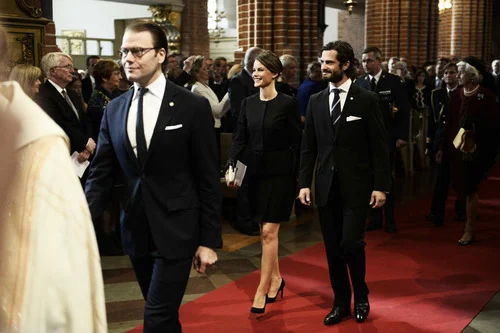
267, 140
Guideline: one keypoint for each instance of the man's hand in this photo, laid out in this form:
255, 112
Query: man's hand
377, 199
203, 258
439, 156
305, 196
188, 63
401, 143
83, 156
90, 147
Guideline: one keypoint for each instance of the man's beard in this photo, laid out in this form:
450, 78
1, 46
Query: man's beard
335, 77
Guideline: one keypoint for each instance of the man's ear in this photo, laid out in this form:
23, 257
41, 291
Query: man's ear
345, 66
162, 55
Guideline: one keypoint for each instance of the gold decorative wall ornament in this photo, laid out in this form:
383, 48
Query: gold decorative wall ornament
32, 10
163, 15
350, 4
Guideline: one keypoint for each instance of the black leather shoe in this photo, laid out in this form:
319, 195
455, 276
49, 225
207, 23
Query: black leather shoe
373, 226
336, 315
361, 311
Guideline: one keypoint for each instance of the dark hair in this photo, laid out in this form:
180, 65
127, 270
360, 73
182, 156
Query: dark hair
271, 61
157, 34
376, 52
87, 60
218, 61
104, 69
345, 54
419, 72
449, 65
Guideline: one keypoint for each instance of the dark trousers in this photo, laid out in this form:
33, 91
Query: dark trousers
343, 230
163, 283
440, 193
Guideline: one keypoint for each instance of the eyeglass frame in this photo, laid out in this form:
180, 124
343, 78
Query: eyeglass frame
143, 50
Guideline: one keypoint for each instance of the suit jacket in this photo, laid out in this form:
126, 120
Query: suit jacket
392, 93
358, 153
240, 86
438, 113
78, 129
86, 89
177, 189
268, 135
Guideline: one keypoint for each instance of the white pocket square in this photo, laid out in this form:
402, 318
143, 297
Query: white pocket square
173, 127
352, 118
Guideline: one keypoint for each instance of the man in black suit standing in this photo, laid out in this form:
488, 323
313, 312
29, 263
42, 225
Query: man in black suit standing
88, 83
160, 137
63, 105
438, 113
240, 87
395, 110
345, 136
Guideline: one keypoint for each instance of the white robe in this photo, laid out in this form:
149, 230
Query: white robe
50, 273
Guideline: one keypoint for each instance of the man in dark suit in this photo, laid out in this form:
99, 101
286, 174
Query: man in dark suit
345, 137
88, 83
395, 110
160, 137
438, 113
63, 105
240, 87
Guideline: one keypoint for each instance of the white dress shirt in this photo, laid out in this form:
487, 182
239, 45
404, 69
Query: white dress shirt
377, 76
344, 89
151, 109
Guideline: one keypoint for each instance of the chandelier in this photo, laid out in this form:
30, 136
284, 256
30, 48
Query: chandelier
350, 4
443, 5
216, 20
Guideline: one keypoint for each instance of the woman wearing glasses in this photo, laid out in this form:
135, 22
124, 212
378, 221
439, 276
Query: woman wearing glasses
199, 79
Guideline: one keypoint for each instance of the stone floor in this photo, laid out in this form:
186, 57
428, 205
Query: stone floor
241, 256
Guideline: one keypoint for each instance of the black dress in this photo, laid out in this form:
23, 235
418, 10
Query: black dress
268, 141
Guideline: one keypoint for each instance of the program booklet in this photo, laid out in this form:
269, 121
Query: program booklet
239, 172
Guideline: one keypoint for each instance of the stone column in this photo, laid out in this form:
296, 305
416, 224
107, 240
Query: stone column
406, 28
282, 26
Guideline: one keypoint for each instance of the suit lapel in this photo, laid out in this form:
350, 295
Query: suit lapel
169, 107
125, 107
346, 110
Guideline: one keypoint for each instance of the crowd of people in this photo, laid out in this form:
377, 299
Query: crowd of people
154, 128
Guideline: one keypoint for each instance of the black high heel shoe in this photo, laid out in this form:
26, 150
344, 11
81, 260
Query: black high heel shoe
273, 299
259, 310
462, 242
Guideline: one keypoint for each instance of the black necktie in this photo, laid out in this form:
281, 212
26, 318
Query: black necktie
142, 149
373, 84
336, 111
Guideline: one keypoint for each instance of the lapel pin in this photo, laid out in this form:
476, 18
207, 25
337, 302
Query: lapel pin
171, 104
352, 98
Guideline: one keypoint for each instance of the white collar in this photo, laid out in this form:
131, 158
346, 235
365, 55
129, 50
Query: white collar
344, 87
156, 88
58, 87
377, 76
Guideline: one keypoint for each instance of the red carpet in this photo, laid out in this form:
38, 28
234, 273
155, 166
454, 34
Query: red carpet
420, 281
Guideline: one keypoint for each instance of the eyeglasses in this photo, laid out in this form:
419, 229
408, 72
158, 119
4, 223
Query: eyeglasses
137, 52
64, 67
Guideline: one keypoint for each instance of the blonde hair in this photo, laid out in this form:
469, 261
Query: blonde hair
233, 71
26, 75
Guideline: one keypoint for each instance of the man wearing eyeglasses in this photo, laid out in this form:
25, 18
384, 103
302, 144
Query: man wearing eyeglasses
63, 105
160, 138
